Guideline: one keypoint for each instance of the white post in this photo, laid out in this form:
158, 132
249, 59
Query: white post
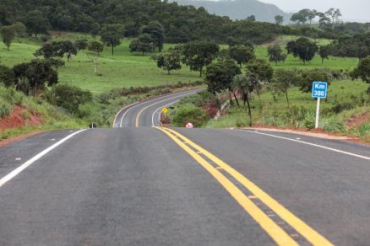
317, 113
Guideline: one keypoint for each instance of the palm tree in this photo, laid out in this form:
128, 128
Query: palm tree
244, 85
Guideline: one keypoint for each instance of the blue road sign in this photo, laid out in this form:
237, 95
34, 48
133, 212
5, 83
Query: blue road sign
319, 89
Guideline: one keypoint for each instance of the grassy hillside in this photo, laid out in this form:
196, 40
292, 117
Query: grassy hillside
337, 63
20, 114
124, 69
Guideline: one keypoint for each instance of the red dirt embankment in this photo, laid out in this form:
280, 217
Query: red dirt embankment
20, 117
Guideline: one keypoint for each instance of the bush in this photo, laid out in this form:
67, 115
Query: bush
11, 96
5, 108
365, 129
333, 125
68, 97
190, 113
339, 107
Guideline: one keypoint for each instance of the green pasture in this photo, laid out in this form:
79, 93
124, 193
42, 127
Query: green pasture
123, 69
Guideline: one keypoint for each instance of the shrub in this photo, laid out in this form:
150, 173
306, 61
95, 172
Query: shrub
333, 125
190, 113
68, 97
339, 107
5, 108
365, 129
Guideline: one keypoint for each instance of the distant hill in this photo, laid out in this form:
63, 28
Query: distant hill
238, 9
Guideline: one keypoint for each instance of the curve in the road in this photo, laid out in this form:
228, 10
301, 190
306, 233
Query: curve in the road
142, 114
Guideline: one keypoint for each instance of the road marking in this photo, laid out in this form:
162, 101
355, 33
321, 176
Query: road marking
28, 163
123, 116
119, 112
131, 106
276, 232
315, 145
142, 110
153, 115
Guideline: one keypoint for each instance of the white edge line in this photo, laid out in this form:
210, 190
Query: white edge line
119, 112
183, 95
315, 145
123, 116
153, 115
28, 163
139, 103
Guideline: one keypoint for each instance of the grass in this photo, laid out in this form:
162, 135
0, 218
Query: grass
51, 117
338, 63
124, 69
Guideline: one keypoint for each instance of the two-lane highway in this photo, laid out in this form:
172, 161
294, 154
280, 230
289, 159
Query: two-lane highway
146, 114
161, 186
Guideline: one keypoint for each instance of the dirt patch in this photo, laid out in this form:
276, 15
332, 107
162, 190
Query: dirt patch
20, 117
275, 41
357, 121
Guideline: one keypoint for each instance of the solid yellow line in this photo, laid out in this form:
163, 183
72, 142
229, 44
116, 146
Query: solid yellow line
272, 229
305, 230
139, 114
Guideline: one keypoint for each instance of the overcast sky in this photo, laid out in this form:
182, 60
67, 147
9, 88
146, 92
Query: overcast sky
352, 10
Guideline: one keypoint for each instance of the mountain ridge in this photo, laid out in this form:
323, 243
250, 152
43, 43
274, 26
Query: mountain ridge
238, 9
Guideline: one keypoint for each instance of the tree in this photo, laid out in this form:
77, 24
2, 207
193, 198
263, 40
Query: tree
199, 54
279, 19
307, 77
260, 72
156, 31
68, 97
37, 23
96, 47
324, 20
241, 54
57, 49
219, 76
311, 14
362, 71
34, 76
324, 52
283, 80
81, 44
144, 43
20, 29
6, 76
335, 14
362, 51
169, 61
244, 85
302, 48
8, 35
261, 69
299, 18
111, 35
275, 54
251, 18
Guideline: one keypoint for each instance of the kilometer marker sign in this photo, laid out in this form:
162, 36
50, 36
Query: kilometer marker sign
319, 90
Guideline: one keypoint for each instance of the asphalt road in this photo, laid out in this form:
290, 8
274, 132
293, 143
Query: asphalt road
158, 186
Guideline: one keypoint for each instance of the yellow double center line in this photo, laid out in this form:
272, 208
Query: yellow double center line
280, 236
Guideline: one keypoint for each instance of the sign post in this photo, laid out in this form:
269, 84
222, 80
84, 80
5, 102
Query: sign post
319, 90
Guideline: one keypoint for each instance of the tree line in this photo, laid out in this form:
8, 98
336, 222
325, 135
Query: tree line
181, 24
